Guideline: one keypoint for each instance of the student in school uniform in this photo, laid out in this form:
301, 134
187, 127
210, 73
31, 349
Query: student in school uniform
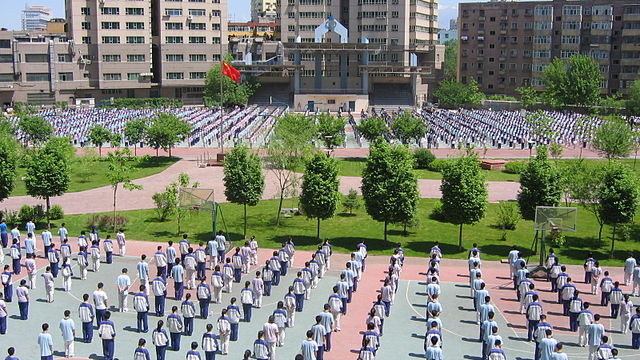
159, 287
629, 264
143, 272
65, 250
30, 226
253, 245
45, 342
7, 283
175, 325
11, 351
63, 233
124, 283
261, 348
83, 262
497, 353
86, 315
193, 354
82, 240
234, 315
217, 283
15, 234
95, 256
275, 264
335, 306
190, 265
319, 332
68, 329
141, 353
595, 333
588, 266
236, 261
3, 315
67, 273
257, 285
108, 249
161, 262
160, 340
48, 283
30, 245
585, 318
54, 260
121, 239
299, 289
141, 305
227, 272
308, 348
171, 257
596, 272
47, 240
183, 246
201, 261
634, 326
22, 294
270, 329
222, 245
290, 307
245, 252
16, 256
280, 317
212, 250
203, 293
283, 256
188, 310
100, 300
107, 332
177, 273
224, 332
267, 278
210, 344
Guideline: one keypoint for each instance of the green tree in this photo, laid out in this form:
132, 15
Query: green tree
618, 196
320, 197
389, 184
98, 136
351, 201
539, 184
451, 59
451, 93
575, 81
47, 171
288, 149
528, 96
408, 128
232, 93
464, 193
372, 128
120, 165
135, 131
614, 138
243, 179
9, 161
36, 130
583, 181
612, 104
633, 101
165, 131
331, 130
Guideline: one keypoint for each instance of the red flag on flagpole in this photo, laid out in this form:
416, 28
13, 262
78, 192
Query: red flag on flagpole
230, 72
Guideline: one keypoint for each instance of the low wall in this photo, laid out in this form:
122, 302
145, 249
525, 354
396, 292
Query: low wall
331, 102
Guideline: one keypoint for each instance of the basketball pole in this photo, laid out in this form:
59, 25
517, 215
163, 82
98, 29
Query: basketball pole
542, 248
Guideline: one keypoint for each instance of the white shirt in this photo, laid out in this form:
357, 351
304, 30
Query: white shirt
124, 282
100, 299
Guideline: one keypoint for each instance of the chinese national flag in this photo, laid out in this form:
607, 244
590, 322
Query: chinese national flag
230, 72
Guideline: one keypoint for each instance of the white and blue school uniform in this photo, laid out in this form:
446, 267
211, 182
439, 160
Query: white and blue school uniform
159, 286
203, 293
141, 305
210, 345
86, 314
160, 339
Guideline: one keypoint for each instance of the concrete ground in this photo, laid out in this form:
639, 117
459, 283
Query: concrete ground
406, 325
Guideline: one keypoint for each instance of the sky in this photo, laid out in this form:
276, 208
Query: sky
238, 10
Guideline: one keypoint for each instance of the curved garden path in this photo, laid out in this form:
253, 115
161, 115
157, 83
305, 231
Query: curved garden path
101, 199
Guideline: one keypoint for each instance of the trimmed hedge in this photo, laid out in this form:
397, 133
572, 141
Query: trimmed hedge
514, 167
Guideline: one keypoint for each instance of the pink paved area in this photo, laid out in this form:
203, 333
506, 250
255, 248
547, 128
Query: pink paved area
101, 199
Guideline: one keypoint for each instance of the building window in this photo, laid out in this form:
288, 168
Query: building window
110, 11
197, 75
197, 40
542, 39
572, 10
215, 13
215, 40
291, 27
543, 25
174, 40
173, 12
133, 76
111, 39
542, 54
110, 25
215, 27
543, 10
197, 26
134, 11
197, 12
602, 10
173, 26
36, 77
85, 11
112, 76
63, 58
36, 58
215, 57
6, 77
135, 39
135, 58
175, 76
85, 25
66, 76
174, 57
135, 26
601, 25
111, 92
571, 25
111, 58
197, 57
599, 54
565, 54
570, 39
86, 39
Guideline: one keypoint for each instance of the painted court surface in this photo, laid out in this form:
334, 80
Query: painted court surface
403, 331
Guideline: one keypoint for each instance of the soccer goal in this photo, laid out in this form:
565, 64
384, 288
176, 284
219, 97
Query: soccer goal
555, 219
201, 199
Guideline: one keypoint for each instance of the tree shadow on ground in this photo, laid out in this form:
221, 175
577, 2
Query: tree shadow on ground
503, 250
425, 247
346, 214
349, 243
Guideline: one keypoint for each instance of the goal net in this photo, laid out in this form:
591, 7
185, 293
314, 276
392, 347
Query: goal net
196, 199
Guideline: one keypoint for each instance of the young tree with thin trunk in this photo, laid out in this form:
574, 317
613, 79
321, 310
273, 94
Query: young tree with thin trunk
389, 184
243, 179
134, 132
98, 136
464, 193
120, 165
540, 185
320, 197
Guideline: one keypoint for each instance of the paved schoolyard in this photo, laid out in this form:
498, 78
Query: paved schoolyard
405, 327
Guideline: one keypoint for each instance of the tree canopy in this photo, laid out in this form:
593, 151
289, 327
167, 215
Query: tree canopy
451, 93
633, 101
135, 131
9, 160
99, 135
331, 130
35, 129
614, 138
165, 131
233, 93
243, 179
540, 184
408, 128
120, 165
451, 59
320, 197
372, 127
389, 184
464, 192
574, 81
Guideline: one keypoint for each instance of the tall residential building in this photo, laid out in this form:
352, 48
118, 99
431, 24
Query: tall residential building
506, 45
353, 53
35, 17
263, 9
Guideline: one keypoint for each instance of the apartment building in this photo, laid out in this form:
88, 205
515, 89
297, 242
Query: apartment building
506, 45
263, 9
35, 18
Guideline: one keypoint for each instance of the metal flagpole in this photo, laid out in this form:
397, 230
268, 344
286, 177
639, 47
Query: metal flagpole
221, 140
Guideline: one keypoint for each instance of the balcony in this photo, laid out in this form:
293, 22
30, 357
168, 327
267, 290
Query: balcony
481, 18
630, 32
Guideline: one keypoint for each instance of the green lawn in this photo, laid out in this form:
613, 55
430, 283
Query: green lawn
83, 179
346, 230
354, 166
